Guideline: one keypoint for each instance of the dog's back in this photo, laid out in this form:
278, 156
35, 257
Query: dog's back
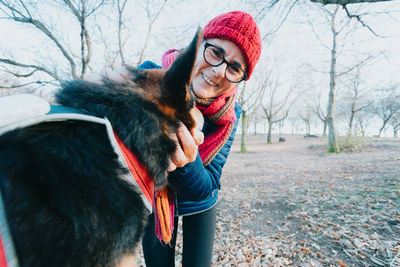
65, 202
63, 206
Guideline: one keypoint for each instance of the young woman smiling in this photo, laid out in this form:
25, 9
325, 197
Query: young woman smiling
229, 51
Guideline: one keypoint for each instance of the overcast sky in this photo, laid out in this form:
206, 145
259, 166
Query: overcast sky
289, 52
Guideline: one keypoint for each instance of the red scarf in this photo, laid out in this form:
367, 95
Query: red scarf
221, 112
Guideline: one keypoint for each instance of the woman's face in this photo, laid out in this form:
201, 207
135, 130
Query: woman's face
209, 81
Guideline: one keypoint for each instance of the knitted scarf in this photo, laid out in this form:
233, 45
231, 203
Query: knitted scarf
221, 112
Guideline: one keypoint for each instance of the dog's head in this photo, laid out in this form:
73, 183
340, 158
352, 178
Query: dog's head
169, 89
120, 101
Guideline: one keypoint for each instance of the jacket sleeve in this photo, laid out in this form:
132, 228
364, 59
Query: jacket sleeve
148, 65
195, 182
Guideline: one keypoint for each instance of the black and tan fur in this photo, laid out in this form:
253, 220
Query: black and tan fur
65, 202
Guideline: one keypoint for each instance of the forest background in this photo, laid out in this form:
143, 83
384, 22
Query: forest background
327, 67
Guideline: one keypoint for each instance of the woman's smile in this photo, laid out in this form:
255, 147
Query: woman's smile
205, 77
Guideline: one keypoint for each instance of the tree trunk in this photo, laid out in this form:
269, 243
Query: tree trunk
381, 130
385, 121
362, 128
243, 147
352, 115
325, 126
332, 141
269, 132
308, 127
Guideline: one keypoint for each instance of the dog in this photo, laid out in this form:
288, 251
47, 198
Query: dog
64, 199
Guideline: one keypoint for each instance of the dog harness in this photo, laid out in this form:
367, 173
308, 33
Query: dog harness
19, 111
26, 110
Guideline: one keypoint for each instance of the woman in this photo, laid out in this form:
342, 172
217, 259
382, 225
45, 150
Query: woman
228, 54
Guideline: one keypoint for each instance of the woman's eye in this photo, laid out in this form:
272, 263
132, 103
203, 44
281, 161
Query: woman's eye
234, 69
217, 53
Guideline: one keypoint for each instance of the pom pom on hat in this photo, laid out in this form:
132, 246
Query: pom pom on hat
169, 57
240, 28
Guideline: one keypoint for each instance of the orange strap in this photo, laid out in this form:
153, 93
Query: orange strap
163, 213
138, 172
164, 218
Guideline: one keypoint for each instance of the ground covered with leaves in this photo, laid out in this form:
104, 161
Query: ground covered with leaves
292, 204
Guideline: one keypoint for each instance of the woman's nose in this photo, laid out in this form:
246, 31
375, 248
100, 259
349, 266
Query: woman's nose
220, 70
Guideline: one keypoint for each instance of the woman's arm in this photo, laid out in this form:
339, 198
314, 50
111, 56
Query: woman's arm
194, 181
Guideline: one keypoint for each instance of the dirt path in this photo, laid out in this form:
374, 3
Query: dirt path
291, 204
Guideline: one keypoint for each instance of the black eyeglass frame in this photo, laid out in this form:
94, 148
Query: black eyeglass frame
222, 62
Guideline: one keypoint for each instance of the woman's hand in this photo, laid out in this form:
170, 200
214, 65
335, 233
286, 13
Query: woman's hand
186, 146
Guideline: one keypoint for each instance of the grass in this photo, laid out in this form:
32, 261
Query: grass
351, 143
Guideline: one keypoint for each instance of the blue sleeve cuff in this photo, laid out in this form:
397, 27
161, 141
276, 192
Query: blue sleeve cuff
192, 182
148, 65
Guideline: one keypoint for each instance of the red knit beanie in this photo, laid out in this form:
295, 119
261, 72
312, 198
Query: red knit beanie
240, 28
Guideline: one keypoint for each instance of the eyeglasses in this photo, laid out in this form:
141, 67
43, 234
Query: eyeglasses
215, 57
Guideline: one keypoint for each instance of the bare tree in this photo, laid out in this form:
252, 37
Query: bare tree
387, 106
363, 120
26, 12
276, 106
356, 98
121, 5
305, 115
395, 123
320, 110
332, 140
250, 100
151, 19
337, 26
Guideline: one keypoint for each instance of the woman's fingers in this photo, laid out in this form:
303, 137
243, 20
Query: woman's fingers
179, 158
171, 166
186, 146
198, 136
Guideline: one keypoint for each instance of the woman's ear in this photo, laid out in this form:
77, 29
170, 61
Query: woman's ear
179, 75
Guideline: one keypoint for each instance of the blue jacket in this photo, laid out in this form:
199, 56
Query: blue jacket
196, 186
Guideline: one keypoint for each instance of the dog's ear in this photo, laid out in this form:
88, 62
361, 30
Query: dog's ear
178, 76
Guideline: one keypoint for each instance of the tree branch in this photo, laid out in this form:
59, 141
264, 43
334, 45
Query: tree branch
355, 66
22, 75
23, 85
358, 18
120, 23
149, 29
18, 16
280, 24
345, 2
39, 68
